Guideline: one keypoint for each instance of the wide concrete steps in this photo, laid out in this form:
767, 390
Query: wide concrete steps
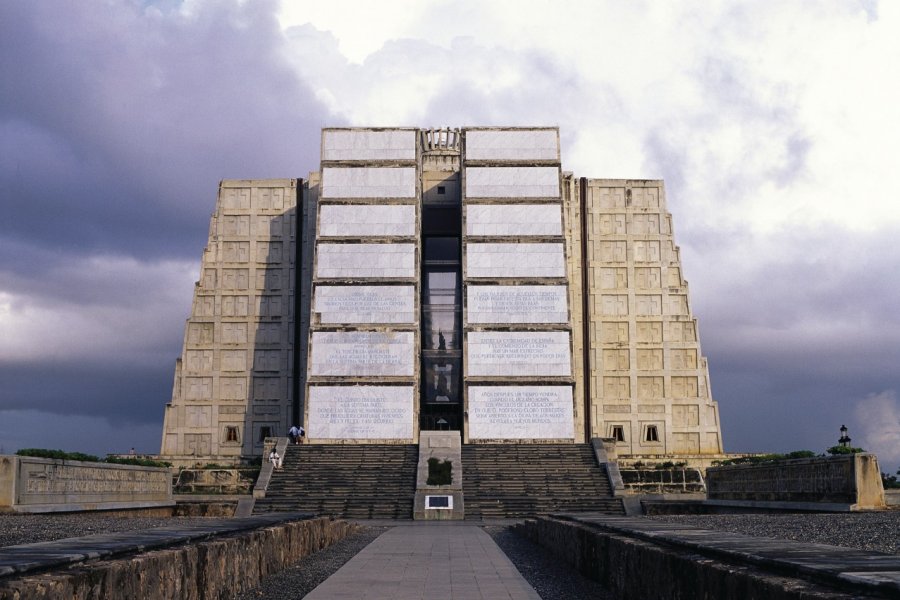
515, 481
350, 481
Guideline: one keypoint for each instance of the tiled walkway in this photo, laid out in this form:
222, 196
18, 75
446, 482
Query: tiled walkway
428, 561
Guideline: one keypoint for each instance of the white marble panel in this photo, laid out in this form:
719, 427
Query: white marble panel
521, 412
513, 219
392, 144
512, 182
516, 304
365, 303
518, 353
360, 412
541, 144
515, 260
362, 353
366, 220
344, 261
369, 182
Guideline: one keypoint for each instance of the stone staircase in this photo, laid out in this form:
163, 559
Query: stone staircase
364, 481
518, 480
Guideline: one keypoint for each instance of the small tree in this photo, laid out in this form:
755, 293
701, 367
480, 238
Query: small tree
838, 450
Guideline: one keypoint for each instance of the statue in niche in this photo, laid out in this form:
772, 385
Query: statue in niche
442, 341
442, 382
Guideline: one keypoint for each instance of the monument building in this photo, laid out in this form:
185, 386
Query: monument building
450, 279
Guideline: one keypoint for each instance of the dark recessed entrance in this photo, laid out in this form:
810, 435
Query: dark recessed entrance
441, 402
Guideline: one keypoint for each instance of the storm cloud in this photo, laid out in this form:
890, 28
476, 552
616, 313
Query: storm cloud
774, 126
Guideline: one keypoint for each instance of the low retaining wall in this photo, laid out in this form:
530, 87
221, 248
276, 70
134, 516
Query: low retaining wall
676, 480
219, 568
637, 569
29, 484
847, 482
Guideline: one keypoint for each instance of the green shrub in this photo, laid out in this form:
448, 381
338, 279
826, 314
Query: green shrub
139, 462
439, 472
838, 450
58, 454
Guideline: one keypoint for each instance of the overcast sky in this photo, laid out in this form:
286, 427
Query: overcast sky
775, 125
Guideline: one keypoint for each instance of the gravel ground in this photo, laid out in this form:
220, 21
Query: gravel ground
866, 531
301, 578
550, 577
18, 529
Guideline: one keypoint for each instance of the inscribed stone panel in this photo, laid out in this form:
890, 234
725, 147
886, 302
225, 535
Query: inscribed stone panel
360, 412
684, 358
198, 360
512, 182
540, 144
681, 331
685, 387
208, 280
234, 360
616, 409
235, 306
204, 306
233, 388
686, 442
266, 360
235, 198
197, 416
649, 331
392, 144
613, 332
613, 278
678, 304
362, 353
646, 251
645, 197
269, 279
267, 388
200, 333
365, 303
236, 225
613, 251
673, 277
651, 408
645, 224
504, 353
513, 219
269, 252
270, 306
649, 359
235, 279
608, 197
269, 333
612, 224
617, 387
367, 220
337, 261
235, 251
369, 182
520, 412
650, 387
647, 278
685, 415
648, 305
197, 388
615, 359
515, 260
269, 198
516, 304
614, 304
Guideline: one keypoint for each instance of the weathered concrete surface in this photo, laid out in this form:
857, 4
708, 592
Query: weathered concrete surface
214, 560
848, 482
639, 558
30, 484
443, 446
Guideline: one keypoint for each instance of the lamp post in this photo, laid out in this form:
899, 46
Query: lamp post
845, 439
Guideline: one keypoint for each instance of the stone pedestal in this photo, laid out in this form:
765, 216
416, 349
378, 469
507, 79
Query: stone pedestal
439, 502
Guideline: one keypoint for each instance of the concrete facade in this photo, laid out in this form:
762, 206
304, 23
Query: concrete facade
452, 278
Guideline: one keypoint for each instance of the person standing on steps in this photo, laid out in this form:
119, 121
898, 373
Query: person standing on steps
294, 434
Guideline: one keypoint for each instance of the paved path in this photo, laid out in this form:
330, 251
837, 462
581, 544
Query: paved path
428, 561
